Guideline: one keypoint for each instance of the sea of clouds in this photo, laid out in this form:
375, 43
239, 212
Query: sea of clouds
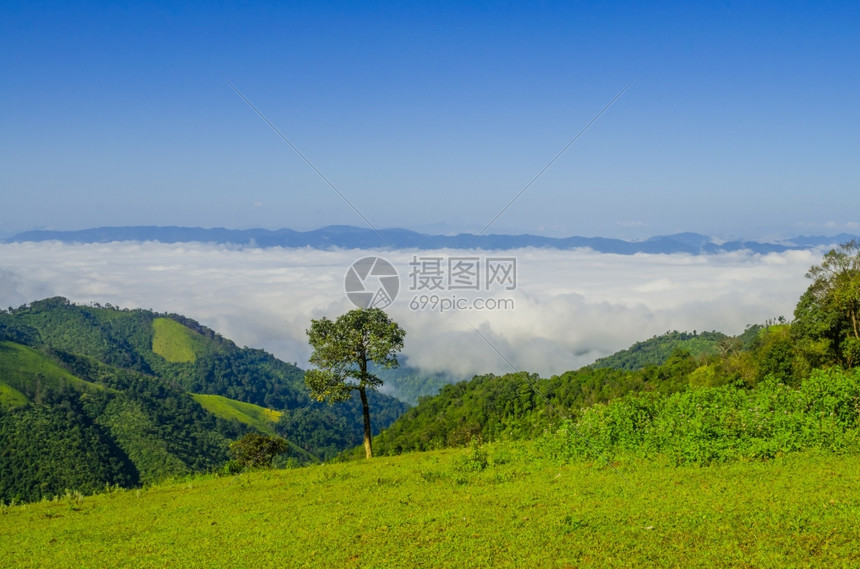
570, 307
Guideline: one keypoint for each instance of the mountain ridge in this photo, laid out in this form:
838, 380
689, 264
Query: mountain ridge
351, 237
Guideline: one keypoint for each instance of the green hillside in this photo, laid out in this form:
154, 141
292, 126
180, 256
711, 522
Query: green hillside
176, 343
658, 349
159, 394
49, 448
109, 335
436, 509
266, 421
11, 397
145, 342
262, 419
520, 406
30, 372
84, 424
204, 362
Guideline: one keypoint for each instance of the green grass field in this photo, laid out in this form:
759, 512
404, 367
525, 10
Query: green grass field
22, 369
248, 413
11, 397
441, 509
175, 342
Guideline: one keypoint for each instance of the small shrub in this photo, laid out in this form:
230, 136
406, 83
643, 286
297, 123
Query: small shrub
475, 460
255, 450
571, 523
431, 475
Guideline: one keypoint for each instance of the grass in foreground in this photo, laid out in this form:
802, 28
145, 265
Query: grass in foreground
461, 508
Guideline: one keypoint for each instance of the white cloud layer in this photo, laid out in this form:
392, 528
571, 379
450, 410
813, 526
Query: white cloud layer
571, 307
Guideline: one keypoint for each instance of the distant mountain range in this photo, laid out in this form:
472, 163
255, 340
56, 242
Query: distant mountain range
348, 237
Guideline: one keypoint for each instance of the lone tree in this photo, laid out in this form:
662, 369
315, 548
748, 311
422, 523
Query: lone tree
827, 317
342, 350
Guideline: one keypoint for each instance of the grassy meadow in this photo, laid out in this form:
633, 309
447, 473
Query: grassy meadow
500, 505
176, 343
258, 417
24, 369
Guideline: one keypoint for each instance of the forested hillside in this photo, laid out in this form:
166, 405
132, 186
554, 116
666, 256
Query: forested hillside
656, 350
96, 395
796, 355
520, 405
81, 424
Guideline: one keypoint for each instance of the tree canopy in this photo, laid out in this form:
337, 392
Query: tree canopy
827, 317
341, 351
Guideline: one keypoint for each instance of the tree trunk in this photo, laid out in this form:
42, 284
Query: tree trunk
368, 449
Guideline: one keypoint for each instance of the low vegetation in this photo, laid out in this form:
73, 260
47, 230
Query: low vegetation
508, 507
255, 451
26, 370
720, 424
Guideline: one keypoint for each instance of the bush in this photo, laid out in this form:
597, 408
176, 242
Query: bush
709, 425
255, 450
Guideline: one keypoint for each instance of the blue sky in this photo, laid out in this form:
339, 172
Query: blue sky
742, 120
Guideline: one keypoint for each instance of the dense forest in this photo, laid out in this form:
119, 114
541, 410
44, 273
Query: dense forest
656, 350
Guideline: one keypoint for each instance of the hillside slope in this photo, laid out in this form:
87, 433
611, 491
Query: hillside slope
517, 406
198, 359
159, 394
83, 425
427, 510
522, 405
656, 350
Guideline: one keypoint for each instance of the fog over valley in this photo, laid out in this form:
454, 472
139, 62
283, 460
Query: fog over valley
567, 309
